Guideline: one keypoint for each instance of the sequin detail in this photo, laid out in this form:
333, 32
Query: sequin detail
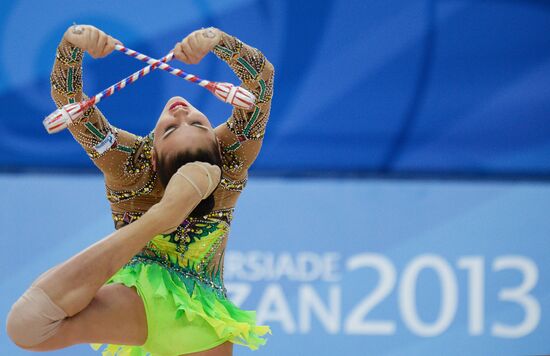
224, 215
195, 247
233, 185
66, 76
68, 54
184, 273
67, 81
126, 217
136, 165
251, 66
231, 162
115, 196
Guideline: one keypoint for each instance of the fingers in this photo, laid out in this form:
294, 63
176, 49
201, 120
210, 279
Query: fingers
180, 54
194, 44
101, 44
109, 46
93, 37
104, 44
185, 53
190, 51
92, 40
193, 48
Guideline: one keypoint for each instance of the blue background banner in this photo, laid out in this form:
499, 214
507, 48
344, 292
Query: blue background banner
393, 86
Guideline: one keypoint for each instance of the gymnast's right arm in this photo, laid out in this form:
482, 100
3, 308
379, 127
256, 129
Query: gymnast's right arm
106, 145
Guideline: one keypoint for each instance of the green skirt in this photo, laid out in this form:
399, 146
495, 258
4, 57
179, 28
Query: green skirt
183, 315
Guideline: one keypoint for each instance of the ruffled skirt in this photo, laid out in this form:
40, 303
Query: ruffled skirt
183, 315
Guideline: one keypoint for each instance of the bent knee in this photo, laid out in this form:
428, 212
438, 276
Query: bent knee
33, 318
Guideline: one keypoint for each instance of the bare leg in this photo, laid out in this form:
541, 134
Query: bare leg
74, 284
225, 349
71, 287
116, 315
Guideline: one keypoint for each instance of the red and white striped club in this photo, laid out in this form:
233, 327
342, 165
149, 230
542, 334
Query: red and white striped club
64, 116
236, 96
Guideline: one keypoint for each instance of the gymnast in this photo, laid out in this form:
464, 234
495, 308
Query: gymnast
155, 285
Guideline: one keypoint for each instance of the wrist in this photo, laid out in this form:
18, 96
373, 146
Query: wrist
217, 33
69, 54
68, 38
218, 37
75, 36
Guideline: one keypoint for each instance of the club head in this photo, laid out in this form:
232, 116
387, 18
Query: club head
62, 117
236, 96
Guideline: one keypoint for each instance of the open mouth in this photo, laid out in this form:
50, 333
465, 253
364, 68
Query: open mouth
177, 104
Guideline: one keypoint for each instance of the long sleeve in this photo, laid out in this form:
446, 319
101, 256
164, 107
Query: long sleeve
115, 152
241, 136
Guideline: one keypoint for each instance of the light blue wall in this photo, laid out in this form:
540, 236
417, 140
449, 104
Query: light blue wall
330, 226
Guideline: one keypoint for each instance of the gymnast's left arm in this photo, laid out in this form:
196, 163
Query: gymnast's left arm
242, 134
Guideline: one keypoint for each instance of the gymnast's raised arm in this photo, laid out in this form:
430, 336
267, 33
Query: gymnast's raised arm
241, 136
106, 145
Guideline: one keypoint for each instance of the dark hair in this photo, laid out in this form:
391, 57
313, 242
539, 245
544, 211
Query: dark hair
169, 164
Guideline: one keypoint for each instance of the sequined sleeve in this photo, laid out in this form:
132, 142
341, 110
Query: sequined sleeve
108, 147
241, 136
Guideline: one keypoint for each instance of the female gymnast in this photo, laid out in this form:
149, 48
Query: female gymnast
155, 285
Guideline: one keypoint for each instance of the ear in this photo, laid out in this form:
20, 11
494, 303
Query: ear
154, 159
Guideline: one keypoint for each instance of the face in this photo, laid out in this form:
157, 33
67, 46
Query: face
181, 127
